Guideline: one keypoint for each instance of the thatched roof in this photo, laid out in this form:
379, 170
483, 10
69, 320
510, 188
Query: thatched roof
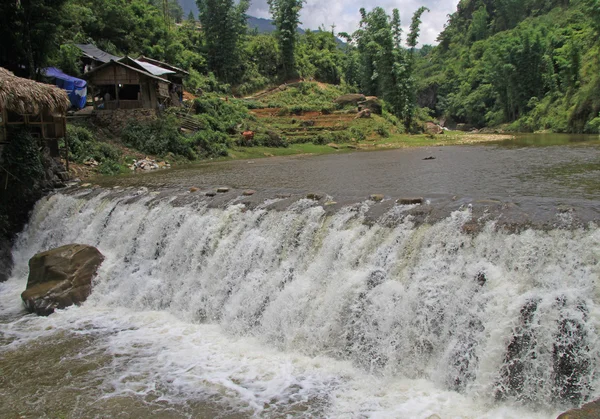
24, 96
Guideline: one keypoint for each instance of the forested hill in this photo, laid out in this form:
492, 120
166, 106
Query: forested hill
532, 65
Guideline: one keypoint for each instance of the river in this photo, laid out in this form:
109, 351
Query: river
276, 306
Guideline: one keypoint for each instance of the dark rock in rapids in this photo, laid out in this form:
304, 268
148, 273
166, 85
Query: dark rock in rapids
587, 411
429, 158
60, 277
409, 201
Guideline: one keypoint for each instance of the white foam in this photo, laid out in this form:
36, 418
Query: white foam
268, 309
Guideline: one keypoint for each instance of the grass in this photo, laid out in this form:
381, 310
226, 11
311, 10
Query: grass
393, 142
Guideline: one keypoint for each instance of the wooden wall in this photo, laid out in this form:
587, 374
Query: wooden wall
114, 74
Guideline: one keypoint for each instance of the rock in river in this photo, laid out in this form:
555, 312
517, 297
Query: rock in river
60, 277
587, 411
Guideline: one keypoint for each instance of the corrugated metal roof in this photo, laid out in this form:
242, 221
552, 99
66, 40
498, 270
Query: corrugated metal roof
153, 69
96, 53
89, 74
163, 65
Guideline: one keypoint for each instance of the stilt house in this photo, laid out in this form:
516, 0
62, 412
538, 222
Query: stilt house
39, 107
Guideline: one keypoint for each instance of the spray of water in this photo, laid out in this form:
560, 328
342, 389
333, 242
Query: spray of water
508, 318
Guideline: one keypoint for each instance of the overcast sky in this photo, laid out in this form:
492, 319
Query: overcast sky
344, 14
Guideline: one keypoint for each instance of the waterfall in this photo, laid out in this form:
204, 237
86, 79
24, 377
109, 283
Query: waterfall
511, 317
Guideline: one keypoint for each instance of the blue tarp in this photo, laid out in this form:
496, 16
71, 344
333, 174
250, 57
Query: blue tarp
76, 88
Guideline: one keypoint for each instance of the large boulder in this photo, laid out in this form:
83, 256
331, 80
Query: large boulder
372, 103
587, 411
349, 99
60, 277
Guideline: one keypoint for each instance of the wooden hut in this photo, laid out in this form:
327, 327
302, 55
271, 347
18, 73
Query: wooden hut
175, 76
40, 107
118, 85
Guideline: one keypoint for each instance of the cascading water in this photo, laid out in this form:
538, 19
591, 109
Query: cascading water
344, 317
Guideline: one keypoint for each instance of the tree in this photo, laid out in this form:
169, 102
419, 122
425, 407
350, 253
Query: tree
28, 32
415, 26
224, 24
286, 18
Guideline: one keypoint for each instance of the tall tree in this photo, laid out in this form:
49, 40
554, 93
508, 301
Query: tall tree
286, 18
28, 32
224, 24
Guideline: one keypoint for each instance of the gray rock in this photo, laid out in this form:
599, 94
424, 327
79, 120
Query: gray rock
222, 190
433, 129
365, 113
60, 277
377, 197
371, 103
211, 193
248, 192
349, 99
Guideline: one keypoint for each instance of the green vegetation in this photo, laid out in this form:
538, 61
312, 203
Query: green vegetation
529, 65
286, 17
22, 170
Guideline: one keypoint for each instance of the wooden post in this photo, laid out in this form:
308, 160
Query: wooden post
66, 143
4, 124
43, 125
116, 85
93, 92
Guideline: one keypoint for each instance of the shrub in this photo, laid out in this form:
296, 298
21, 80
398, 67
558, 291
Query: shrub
157, 137
593, 126
382, 131
322, 138
210, 143
109, 167
358, 134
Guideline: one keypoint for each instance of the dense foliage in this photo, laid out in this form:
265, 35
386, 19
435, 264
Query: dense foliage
531, 64
22, 176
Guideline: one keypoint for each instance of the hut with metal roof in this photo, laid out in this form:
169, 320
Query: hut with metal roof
93, 57
126, 84
39, 107
175, 76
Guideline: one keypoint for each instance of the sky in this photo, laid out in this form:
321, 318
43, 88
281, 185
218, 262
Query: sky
345, 14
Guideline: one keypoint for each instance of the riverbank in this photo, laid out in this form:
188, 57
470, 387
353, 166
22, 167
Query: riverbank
397, 141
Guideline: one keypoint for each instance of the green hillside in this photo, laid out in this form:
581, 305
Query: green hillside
528, 65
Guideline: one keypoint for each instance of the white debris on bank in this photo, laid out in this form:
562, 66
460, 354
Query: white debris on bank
149, 164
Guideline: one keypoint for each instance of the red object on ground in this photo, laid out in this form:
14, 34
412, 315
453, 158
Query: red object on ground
248, 136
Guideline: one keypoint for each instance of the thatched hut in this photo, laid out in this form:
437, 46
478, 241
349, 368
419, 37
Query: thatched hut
40, 107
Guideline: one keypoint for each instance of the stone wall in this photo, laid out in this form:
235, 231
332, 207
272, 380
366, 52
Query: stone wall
116, 120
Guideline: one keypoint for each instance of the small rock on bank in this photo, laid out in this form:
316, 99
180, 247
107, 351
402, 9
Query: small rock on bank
60, 277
